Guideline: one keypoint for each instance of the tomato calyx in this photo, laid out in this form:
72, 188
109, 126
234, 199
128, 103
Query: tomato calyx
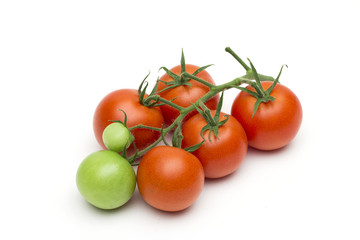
261, 95
184, 77
147, 101
213, 123
153, 100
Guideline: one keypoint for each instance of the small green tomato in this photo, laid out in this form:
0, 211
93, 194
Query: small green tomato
106, 180
116, 137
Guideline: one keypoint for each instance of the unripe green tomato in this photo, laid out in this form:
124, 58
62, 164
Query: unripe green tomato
106, 180
116, 137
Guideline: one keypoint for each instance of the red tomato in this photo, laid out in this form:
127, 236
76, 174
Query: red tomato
185, 95
169, 178
128, 100
275, 123
220, 156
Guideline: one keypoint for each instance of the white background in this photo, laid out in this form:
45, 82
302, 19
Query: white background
58, 59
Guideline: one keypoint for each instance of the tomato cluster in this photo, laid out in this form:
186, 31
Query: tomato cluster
206, 143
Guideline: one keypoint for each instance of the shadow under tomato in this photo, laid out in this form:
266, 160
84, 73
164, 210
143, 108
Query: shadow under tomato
217, 181
175, 214
253, 152
133, 201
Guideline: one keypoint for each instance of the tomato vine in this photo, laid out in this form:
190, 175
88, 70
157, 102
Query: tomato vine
186, 104
252, 78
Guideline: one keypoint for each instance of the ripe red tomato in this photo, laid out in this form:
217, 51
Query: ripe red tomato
275, 123
220, 156
128, 101
169, 178
185, 95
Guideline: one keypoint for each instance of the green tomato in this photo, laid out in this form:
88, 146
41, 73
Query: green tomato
116, 137
106, 180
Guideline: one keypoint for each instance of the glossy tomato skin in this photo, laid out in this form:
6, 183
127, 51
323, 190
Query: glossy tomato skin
275, 123
128, 101
220, 156
185, 95
169, 178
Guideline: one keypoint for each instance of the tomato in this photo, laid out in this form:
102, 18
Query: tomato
221, 156
116, 137
169, 178
128, 101
184, 95
105, 179
275, 123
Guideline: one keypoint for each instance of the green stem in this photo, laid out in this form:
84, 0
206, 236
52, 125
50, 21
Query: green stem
250, 75
244, 80
229, 50
259, 88
249, 72
188, 75
184, 111
163, 100
165, 131
145, 127
213, 91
